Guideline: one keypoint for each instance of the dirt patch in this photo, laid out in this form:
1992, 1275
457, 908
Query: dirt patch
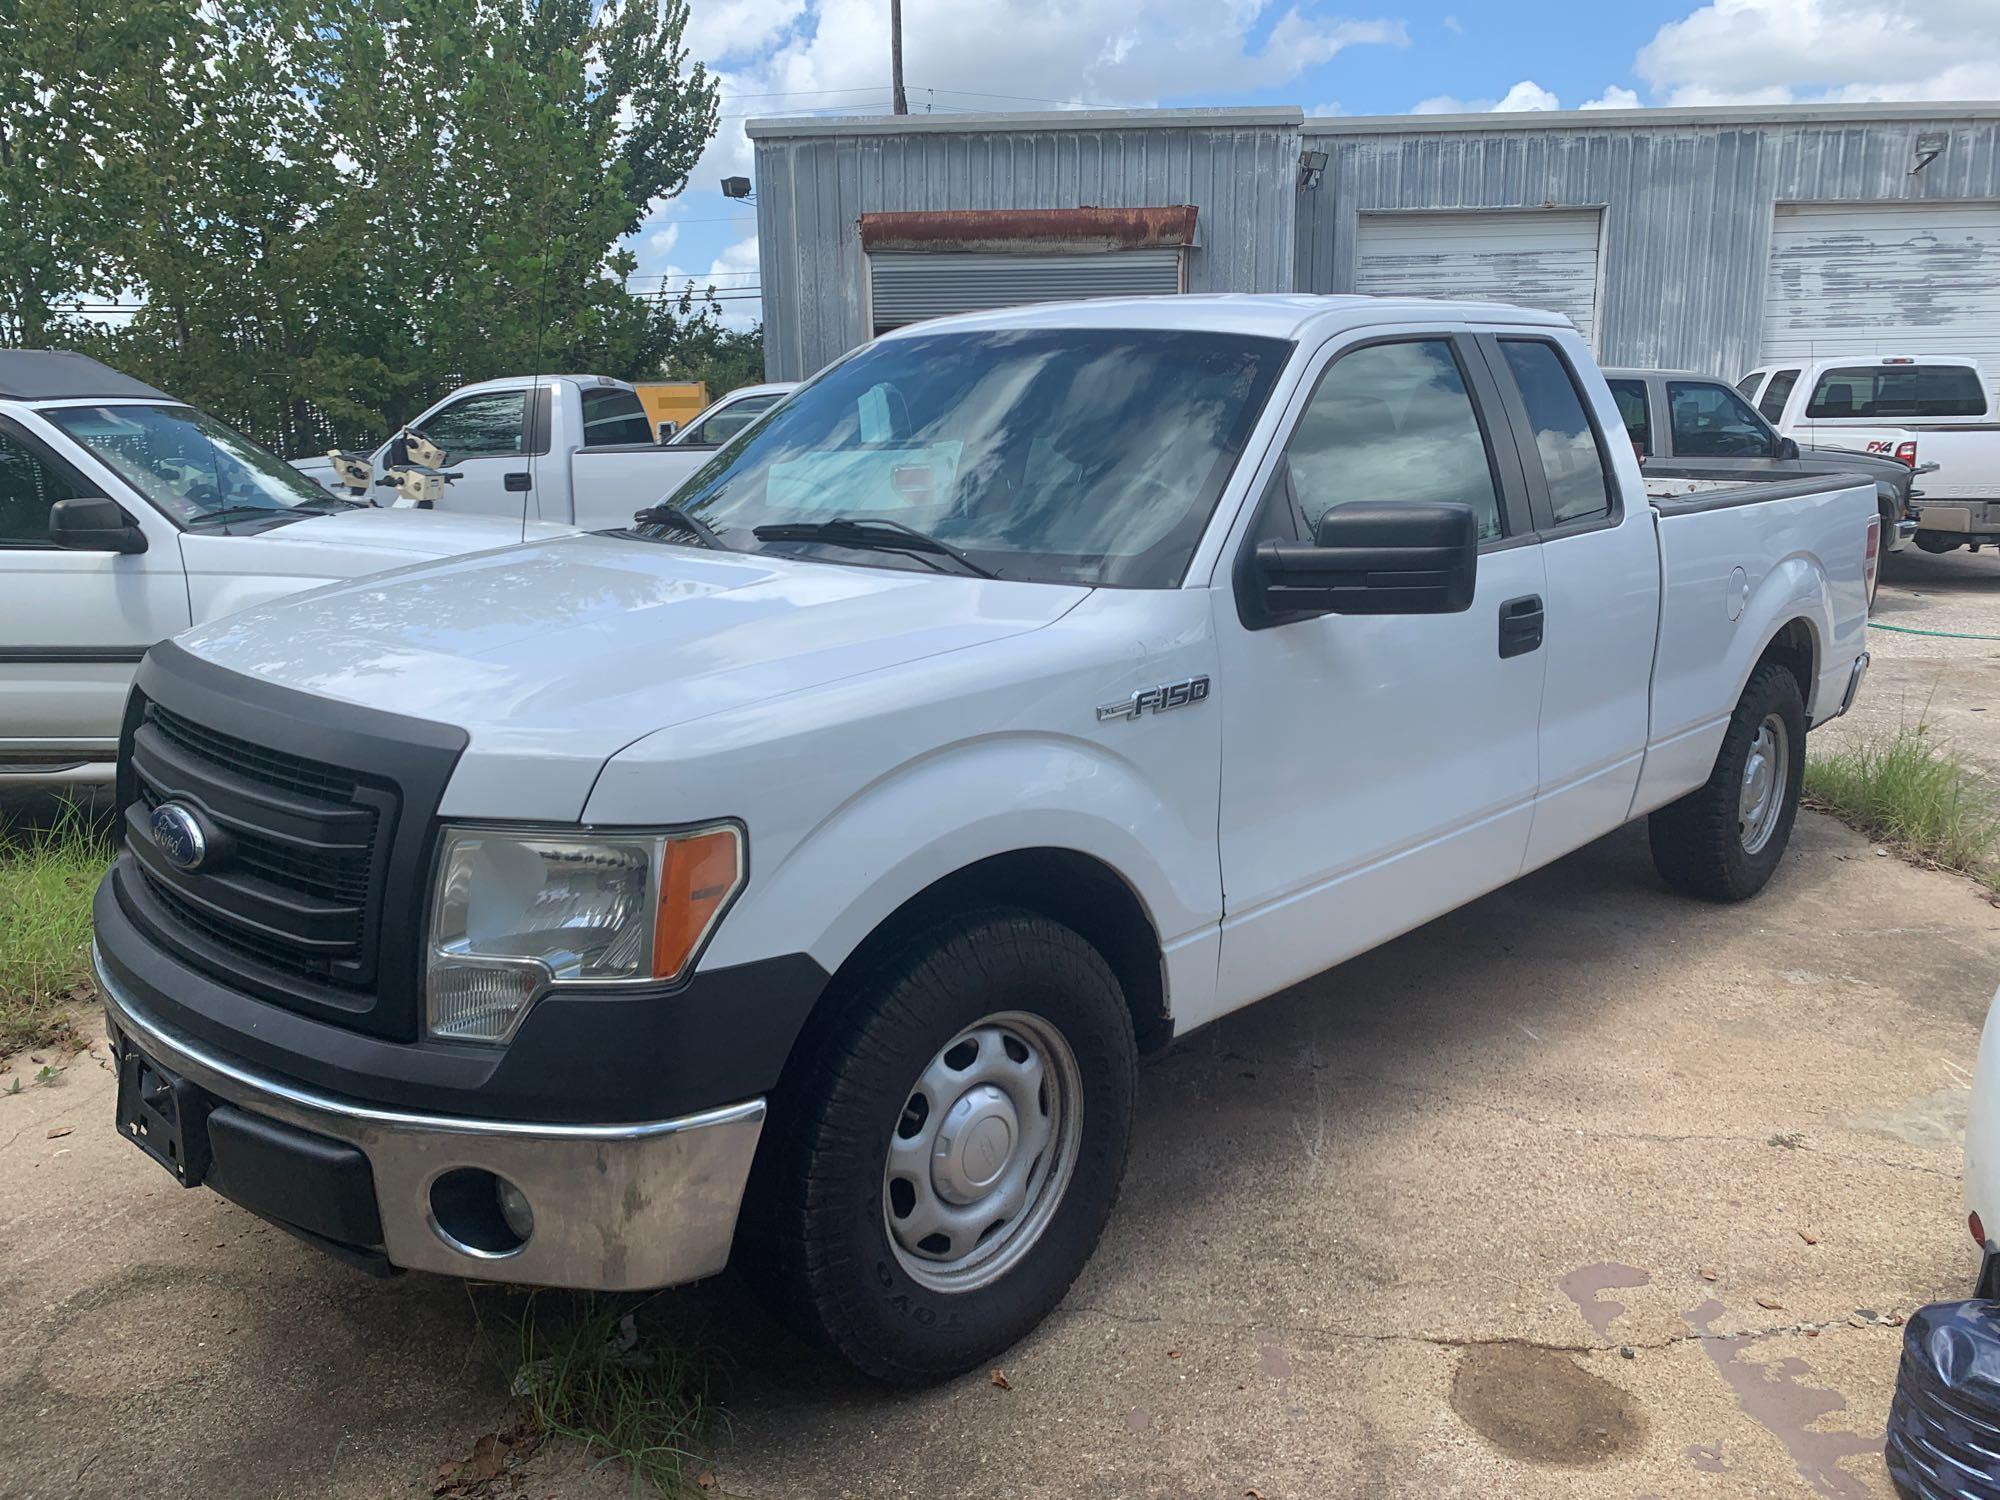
1541, 1404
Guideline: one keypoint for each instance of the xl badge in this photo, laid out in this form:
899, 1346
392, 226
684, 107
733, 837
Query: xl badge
1156, 700
179, 834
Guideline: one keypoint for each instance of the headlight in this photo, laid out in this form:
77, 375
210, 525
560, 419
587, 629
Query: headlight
517, 913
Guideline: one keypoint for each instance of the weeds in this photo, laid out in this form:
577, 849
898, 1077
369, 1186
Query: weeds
1915, 794
47, 876
607, 1372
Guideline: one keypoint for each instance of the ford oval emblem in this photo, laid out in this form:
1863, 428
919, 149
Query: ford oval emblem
179, 834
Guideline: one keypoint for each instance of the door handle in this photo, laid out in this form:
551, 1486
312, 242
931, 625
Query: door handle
519, 482
1521, 626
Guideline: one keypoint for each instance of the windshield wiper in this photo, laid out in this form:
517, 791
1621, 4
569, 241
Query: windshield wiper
238, 513
666, 513
318, 506
877, 532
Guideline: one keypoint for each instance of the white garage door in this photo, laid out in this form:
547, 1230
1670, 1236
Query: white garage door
1906, 278
909, 286
1543, 258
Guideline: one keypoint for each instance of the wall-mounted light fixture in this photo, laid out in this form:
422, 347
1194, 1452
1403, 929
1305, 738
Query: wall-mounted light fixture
737, 187
1930, 146
1312, 167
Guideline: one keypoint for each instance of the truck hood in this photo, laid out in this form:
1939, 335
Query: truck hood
561, 653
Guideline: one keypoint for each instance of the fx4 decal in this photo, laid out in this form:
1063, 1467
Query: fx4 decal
1156, 700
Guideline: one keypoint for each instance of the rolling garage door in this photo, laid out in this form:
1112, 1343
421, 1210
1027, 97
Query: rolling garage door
1537, 258
909, 286
1880, 278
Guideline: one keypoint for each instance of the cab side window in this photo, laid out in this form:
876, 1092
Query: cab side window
613, 418
481, 426
725, 422
1776, 394
1393, 422
1574, 465
1631, 398
1712, 421
29, 485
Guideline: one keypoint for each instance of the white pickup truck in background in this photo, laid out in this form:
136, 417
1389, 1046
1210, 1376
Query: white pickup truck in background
1933, 412
572, 449
127, 516
1029, 689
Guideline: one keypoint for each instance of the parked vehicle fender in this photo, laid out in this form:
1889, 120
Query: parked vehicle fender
936, 816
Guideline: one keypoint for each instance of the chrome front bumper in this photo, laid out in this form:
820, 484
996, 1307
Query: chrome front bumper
616, 1207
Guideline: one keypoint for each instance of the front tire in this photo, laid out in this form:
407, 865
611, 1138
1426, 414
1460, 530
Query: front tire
951, 1152
1723, 840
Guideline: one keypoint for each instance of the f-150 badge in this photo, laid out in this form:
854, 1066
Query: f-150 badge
1156, 700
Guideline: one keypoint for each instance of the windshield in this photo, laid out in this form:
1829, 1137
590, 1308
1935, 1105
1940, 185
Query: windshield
1088, 456
187, 464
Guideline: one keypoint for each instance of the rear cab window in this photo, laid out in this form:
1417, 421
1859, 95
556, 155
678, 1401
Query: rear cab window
1887, 391
1712, 421
1561, 435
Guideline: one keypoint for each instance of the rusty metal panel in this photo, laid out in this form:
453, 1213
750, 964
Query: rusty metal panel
1004, 229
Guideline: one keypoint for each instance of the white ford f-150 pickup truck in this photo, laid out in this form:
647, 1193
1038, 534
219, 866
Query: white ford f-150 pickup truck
801, 874
1933, 412
562, 448
125, 517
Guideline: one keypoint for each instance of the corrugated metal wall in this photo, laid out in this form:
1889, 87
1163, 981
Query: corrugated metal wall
1687, 208
813, 188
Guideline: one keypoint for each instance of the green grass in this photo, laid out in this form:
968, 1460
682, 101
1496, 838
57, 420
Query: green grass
47, 875
1913, 793
612, 1374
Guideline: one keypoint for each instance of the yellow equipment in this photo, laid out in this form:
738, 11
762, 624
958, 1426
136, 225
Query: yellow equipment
676, 401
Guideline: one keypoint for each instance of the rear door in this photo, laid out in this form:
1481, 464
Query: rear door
75, 623
1602, 563
1377, 771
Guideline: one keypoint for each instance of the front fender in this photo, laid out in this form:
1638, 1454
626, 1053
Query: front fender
955, 806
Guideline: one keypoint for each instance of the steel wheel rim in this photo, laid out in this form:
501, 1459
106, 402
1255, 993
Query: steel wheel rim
982, 1152
1766, 772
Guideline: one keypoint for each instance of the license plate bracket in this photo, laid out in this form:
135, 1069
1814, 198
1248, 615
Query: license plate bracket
164, 1115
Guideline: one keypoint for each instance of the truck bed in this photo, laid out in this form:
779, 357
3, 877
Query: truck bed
1737, 556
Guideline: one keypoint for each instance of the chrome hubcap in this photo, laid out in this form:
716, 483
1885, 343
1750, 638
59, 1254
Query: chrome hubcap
982, 1152
1764, 776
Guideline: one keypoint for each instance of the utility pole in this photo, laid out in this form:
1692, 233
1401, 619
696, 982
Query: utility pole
896, 55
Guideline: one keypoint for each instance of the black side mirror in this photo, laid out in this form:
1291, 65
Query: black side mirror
94, 524
1375, 559
1787, 448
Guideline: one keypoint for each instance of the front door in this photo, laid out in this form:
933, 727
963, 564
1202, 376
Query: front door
1378, 770
490, 443
74, 624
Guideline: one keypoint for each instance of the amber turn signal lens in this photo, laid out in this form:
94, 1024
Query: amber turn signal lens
699, 872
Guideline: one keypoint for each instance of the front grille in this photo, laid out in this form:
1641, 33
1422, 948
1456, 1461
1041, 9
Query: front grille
293, 883
293, 773
320, 819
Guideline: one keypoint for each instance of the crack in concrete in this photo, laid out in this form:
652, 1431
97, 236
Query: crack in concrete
1464, 1341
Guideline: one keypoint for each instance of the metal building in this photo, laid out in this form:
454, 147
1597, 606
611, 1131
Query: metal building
1699, 238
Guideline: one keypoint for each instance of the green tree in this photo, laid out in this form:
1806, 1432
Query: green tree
349, 206
723, 357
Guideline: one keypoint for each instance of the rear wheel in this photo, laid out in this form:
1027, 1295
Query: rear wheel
1724, 840
953, 1149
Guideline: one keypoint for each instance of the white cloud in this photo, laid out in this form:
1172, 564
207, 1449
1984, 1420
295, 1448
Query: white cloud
1615, 96
1525, 95
1850, 51
777, 57
662, 240
1455, 26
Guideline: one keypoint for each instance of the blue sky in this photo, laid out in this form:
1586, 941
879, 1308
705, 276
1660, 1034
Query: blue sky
777, 57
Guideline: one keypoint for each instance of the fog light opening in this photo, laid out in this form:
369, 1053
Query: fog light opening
480, 1213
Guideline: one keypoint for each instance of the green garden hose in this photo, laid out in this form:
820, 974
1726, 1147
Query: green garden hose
1949, 635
